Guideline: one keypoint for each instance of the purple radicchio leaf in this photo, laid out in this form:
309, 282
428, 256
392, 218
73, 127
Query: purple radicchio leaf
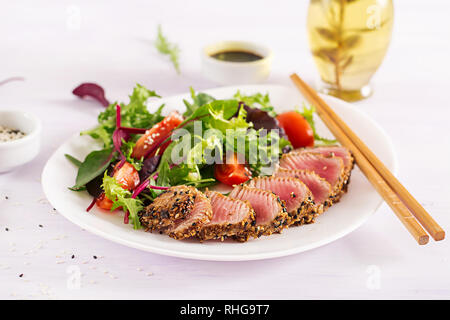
263, 120
148, 167
92, 90
5, 81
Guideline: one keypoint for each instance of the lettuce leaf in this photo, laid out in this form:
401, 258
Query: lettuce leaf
198, 100
257, 100
134, 114
122, 198
308, 114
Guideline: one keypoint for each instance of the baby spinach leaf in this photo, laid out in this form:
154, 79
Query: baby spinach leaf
74, 160
95, 164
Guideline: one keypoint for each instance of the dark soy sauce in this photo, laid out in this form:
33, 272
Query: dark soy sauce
237, 56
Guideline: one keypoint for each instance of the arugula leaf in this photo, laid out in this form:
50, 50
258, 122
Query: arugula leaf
95, 164
74, 160
122, 198
166, 48
308, 114
135, 114
257, 100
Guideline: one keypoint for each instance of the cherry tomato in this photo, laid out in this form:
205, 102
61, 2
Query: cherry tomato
127, 176
231, 172
156, 135
298, 130
103, 202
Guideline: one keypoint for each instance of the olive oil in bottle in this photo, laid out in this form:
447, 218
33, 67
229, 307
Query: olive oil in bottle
349, 39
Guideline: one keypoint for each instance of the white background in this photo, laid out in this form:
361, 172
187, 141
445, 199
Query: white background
55, 45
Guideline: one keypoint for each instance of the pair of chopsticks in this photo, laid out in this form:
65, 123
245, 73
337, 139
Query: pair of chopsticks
393, 192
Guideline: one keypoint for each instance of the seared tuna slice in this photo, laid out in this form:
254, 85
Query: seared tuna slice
319, 187
271, 214
195, 220
296, 196
231, 218
180, 212
173, 204
329, 168
337, 151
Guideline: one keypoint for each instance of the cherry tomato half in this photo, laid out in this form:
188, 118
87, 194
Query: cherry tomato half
127, 176
156, 135
231, 172
297, 129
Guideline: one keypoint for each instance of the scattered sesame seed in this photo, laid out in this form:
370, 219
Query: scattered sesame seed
21, 275
73, 256
7, 229
6, 197
95, 257
149, 274
41, 226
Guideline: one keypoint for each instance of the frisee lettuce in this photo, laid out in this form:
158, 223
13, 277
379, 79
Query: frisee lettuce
122, 198
134, 114
257, 100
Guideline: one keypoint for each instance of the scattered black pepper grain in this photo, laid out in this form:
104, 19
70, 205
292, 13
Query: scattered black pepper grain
41, 226
6, 229
73, 256
6, 197
95, 257
21, 275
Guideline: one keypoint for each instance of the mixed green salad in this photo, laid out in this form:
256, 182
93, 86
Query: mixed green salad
214, 141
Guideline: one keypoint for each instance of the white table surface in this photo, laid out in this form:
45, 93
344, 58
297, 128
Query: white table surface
55, 45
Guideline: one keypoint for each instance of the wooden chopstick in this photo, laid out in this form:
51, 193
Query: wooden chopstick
373, 175
417, 210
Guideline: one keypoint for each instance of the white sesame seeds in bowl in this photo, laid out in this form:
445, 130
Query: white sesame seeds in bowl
20, 134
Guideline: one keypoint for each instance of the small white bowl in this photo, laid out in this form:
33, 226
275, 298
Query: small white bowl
230, 73
18, 152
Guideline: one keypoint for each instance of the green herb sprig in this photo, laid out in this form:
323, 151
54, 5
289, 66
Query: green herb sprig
166, 48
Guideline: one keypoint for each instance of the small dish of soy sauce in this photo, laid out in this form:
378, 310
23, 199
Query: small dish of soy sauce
237, 56
236, 62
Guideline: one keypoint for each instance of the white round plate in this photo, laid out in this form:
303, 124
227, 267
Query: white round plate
351, 212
